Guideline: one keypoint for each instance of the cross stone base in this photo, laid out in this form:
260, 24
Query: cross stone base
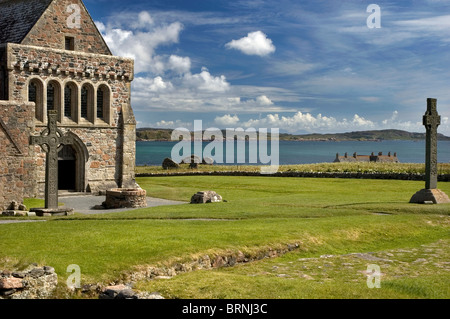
48, 212
435, 196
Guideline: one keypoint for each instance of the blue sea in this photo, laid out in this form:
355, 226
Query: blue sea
295, 152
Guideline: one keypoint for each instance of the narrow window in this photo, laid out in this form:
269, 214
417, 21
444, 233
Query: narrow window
68, 101
84, 102
50, 97
69, 43
32, 92
35, 94
100, 105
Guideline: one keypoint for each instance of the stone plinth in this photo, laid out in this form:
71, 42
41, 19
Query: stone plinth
48, 212
435, 196
125, 198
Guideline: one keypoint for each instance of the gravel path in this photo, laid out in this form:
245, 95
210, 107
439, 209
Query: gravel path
84, 204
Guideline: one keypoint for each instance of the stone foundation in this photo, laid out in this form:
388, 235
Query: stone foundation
430, 196
125, 198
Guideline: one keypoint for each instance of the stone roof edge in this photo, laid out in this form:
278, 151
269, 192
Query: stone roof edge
101, 36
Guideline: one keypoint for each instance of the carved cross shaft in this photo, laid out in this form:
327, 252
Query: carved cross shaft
51, 141
431, 120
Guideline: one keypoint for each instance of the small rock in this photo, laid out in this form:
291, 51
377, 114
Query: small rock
49, 270
5, 273
18, 274
127, 294
112, 292
206, 197
13, 206
146, 295
37, 272
11, 283
168, 163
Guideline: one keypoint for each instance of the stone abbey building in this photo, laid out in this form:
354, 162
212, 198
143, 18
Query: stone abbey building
52, 57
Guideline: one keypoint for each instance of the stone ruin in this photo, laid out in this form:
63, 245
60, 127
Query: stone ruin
125, 198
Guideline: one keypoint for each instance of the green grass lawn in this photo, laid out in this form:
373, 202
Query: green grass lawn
357, 167
326, 216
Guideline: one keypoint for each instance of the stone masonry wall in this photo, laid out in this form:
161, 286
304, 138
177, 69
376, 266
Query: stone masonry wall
16, 164
52, 28
103, 139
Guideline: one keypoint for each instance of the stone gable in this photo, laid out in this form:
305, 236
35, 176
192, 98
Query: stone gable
59, 22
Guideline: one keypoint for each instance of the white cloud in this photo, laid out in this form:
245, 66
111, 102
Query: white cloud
309, 123
146, 84
179, 64
264, 100
255, 43
139, 40
227, 120
143, 20
165, 124
204, 81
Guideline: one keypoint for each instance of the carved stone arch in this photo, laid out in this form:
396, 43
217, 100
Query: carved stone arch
81, 157
35, 93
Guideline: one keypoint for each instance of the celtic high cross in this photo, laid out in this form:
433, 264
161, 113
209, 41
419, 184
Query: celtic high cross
431, 120
51, 141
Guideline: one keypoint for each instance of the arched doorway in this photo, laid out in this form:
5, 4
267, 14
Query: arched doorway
71, 166
67, 169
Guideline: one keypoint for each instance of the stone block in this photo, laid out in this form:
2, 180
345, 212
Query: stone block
424, 196
11, 283
206, 197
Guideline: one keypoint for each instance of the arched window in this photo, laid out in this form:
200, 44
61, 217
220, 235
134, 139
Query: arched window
84, 102
50, 97
103, 103
100, 103
35, 94
87, 102
70, 101
32, 92
54, 97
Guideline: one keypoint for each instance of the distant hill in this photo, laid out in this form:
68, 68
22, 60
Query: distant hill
363, 136
153, 134
156, 134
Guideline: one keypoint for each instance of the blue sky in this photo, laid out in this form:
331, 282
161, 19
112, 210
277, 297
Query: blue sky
300, 66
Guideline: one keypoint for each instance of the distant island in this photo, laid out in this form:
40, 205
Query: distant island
158, 134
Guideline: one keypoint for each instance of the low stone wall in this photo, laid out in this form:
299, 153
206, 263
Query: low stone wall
32, 283
354, 175
125, 198
206, 261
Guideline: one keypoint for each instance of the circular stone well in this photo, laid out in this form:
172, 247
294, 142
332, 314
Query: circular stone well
125, 198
